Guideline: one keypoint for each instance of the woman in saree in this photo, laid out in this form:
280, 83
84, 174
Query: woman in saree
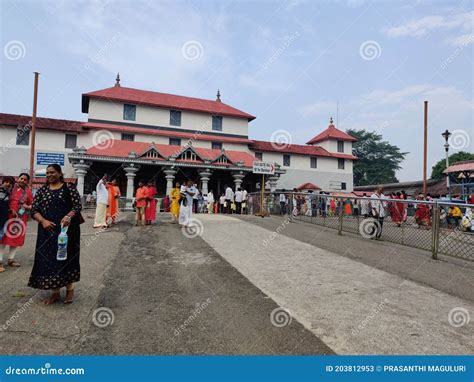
57, 204
150, 210
422, 214
175, 198
113, 206
21, 199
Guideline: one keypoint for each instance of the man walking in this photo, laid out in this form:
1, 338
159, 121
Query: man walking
238, 200
102, 201
378, 210
229, 198
282, 204
196, 199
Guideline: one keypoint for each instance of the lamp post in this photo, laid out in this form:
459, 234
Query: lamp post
446, 136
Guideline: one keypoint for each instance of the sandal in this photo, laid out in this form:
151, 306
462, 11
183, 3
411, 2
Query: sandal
13, 263
2, 269
55, 296
69, 296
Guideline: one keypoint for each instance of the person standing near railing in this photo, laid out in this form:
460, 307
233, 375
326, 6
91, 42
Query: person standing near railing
282, 204
378, 210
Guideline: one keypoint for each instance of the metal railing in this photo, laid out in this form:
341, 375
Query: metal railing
429, 225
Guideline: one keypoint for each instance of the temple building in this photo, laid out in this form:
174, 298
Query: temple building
134, 134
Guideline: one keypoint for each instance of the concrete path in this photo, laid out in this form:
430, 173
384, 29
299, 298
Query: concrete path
353, 307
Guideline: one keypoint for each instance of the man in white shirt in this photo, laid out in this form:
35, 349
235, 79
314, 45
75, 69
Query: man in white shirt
282, 204
196, 199
378, 209
186, 211
102, 201
210, 202
244, 201
238, 200
229, 198
364, 206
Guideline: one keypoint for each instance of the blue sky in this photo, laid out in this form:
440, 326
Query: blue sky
288, 62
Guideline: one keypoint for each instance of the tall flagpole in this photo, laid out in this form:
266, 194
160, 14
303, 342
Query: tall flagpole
425, 146
33, 129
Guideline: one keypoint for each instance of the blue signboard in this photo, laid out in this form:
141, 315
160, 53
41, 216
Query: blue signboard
50, 158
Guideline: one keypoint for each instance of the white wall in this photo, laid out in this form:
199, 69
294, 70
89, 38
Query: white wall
155, 116
331, 146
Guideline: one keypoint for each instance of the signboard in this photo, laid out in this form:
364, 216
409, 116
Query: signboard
50, 158
263, 168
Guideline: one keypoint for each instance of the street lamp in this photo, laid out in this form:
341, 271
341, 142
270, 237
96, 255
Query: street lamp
446, 136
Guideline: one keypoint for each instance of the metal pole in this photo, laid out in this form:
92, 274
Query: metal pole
448, 186
262, 195
339, 232
425, 147
435, 231
33, 129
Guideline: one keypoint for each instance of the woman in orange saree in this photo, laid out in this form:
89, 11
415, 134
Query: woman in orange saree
113, 205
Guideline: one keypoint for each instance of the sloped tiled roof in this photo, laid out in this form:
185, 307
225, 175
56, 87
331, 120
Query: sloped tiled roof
121, 149
331, 133
172, 101
41, 123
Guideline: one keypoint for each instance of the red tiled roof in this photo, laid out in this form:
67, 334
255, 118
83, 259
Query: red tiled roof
121, 149
464, 166
41, 123
331, 133
146, 97
168, 133
297, 149
308, 186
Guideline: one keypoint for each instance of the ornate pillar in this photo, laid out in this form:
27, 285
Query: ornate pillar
130, 172
205, 175
80, 168
273, 180
170, 173
238, 176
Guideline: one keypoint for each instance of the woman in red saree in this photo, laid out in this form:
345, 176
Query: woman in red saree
21, 199
422, 214
396, 212
150, 210
113, 206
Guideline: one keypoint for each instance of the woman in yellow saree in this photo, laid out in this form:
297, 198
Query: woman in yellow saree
175, 195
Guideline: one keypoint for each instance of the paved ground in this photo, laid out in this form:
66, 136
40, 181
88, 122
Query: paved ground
166, 294
239, 288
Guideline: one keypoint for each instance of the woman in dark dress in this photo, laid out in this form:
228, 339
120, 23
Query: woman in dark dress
56, 204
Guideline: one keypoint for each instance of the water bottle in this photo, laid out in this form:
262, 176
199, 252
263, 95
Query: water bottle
62, 245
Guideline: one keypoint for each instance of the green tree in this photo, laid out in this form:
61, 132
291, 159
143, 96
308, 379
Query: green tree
377, 161
440, 166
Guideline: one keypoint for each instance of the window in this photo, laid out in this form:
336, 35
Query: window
71, 141
23, 135
222, 159
129, 112
175, 118
152, 154
340, 164
128, 137
340, 146
314, 162
175, 142
188, 155
259, 156
216, 123
286, 160
216, 145
343, 185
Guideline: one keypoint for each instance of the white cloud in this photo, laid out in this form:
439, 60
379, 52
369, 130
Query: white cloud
422, 26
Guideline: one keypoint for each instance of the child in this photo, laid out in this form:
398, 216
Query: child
5, 190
